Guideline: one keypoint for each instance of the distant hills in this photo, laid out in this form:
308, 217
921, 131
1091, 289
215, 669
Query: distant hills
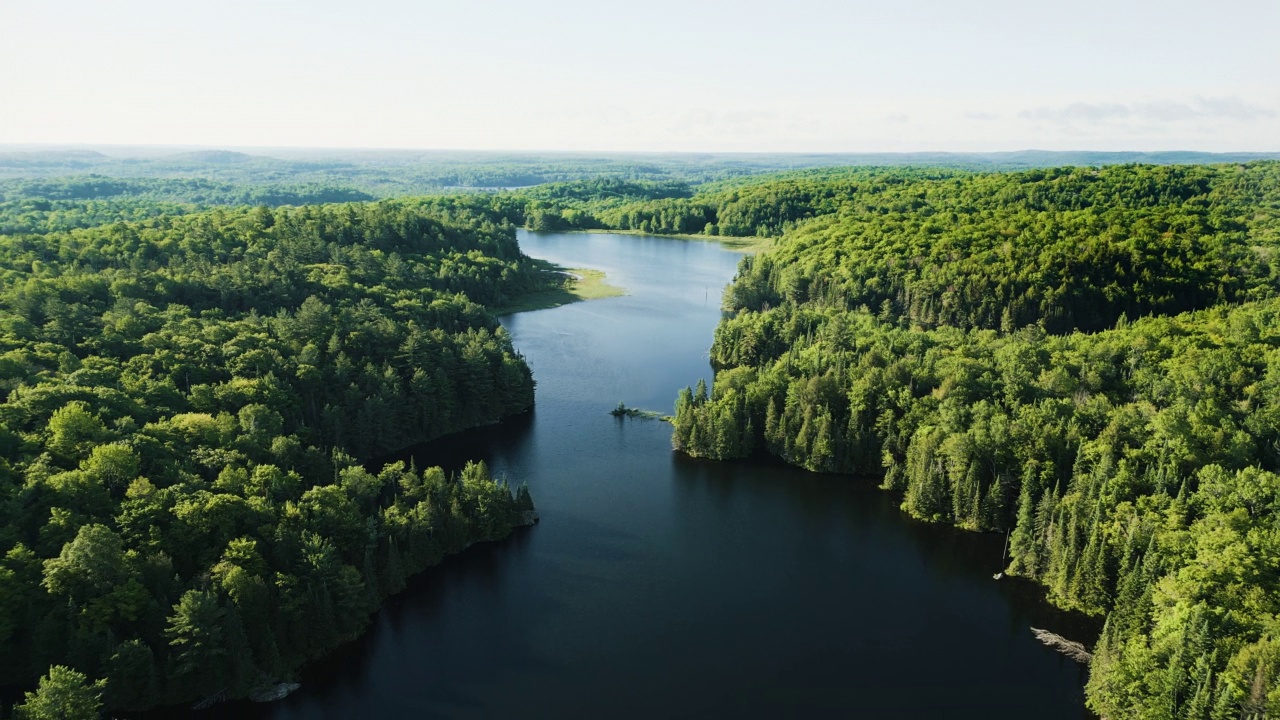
386, 173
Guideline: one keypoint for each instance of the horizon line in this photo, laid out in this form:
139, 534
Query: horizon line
55, 146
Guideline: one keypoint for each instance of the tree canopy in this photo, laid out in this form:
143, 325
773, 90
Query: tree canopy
1087, 359
185, 505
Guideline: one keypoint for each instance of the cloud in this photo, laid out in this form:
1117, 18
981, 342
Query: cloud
1075, 112
1152, 111
984, 116
898, 118
1165, 111
726, 120
1235, 109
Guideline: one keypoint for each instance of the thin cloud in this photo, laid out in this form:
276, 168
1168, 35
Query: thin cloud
1076, 112
718, 121
1166, 111
1235, 109
1157, 111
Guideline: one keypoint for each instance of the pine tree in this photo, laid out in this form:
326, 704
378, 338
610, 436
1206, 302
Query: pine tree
926, 495
133, 681
821, 453
681, 435
196, 642
1023, 546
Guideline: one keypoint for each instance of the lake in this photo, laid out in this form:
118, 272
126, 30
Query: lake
657, 585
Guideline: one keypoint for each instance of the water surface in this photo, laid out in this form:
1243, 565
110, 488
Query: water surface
658, 586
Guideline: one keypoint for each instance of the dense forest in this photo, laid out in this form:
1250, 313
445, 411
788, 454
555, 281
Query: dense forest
185, 508
771, 205
67, 203
1086, 359
729, 195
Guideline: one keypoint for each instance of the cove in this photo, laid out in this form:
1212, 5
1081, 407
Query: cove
657, 585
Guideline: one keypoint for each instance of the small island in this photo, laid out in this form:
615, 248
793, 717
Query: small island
622, 411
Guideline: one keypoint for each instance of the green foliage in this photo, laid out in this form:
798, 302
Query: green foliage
64, 694
183, 508
970, 339
65, 203
392, 173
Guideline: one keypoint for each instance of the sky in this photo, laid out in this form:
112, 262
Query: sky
741, 76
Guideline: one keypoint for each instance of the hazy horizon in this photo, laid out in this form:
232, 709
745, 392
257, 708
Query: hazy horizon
130, 150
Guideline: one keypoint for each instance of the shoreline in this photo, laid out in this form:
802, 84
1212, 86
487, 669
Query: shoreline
581, 284
742, 244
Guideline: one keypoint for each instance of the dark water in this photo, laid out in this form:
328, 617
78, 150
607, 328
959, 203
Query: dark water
659, 586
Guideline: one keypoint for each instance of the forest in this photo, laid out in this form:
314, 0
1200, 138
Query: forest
732, 195
81, 201
193, 401
201, 376
1085, 359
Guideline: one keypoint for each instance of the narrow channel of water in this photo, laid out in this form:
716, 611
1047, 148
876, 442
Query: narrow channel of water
661, 586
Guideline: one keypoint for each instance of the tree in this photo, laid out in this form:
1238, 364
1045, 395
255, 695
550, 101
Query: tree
114, 465
260, 422
73, 430
63, 694
1022, 542
195, 637
133, 678
90, 565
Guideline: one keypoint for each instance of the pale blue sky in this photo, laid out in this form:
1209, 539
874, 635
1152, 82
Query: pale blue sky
799, 75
